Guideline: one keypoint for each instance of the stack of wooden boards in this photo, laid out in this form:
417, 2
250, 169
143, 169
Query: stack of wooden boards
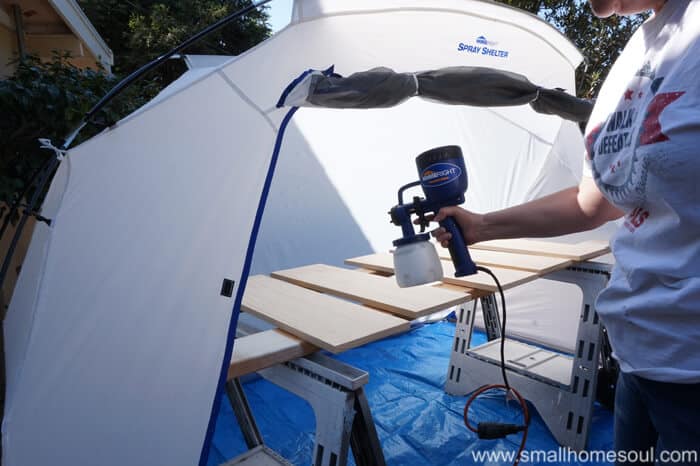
332, 308
336, 309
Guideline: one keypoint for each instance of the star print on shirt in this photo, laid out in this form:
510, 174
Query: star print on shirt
628, 94
651, 128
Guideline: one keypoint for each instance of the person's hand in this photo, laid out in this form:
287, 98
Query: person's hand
469, 222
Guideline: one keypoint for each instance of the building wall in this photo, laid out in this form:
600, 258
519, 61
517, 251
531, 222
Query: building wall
45, 35
16, 264
8, 45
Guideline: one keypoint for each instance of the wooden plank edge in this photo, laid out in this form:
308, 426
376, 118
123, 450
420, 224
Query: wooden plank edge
296, 348
371, 303
372, 267
460, 282
487, 247
603, 249
472, 293
359, 299
335, 349
538, 271
464, 281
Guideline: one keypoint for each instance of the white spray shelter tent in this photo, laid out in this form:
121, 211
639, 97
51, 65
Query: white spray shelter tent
118, 335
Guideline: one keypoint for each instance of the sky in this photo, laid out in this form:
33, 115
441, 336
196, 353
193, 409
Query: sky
280, 12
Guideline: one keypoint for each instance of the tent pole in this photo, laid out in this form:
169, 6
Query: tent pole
42, 179
138, 74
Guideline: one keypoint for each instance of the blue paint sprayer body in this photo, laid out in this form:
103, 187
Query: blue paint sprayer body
443, 177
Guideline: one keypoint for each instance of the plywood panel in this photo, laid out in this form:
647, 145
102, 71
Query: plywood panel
473, 292
381, 262
327, 322
508, 277
371, 290
541, 265
257, 351
578, 252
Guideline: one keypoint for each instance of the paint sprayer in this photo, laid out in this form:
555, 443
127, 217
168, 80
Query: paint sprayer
443, 177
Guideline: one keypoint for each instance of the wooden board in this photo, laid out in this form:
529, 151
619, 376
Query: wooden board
265, 349
541, 265
578, 252
375, 291
475, 294
381, 262
329, 323
508, 277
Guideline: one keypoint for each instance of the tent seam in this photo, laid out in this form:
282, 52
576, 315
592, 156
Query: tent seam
245, 98
532, 135
556, 154
142, 111
147, 108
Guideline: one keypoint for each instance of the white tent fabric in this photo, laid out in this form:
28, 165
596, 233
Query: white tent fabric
118, 332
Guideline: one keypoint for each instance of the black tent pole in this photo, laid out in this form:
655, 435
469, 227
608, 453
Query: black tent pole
138, 74
18, 200
42, 179
43, 176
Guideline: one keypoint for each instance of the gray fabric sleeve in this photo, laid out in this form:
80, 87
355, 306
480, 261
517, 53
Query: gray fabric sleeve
462, 85
480, 87
376, 88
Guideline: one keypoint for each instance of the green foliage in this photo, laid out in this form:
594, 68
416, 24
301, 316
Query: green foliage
140, 30
599, 40
47, 100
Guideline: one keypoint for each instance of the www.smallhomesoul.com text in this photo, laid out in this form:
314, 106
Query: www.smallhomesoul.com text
565, 455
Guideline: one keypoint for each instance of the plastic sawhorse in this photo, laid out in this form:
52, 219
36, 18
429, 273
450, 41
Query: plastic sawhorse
335, 392
562, 388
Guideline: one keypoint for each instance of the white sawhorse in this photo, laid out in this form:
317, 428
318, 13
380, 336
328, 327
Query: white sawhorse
561, 387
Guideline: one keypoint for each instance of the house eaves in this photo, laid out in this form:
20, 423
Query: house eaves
78, 22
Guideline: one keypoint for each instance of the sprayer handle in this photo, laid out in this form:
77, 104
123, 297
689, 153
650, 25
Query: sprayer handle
464, 265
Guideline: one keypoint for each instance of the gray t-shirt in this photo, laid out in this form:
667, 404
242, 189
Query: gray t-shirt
643, 150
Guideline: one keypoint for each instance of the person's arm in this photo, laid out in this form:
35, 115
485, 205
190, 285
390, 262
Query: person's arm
572, 210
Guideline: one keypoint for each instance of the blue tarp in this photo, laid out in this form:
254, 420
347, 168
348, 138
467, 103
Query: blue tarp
417, 422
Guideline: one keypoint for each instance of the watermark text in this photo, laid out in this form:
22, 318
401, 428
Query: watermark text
565, 455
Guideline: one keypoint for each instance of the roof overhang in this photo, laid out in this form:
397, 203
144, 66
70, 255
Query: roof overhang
58, 25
